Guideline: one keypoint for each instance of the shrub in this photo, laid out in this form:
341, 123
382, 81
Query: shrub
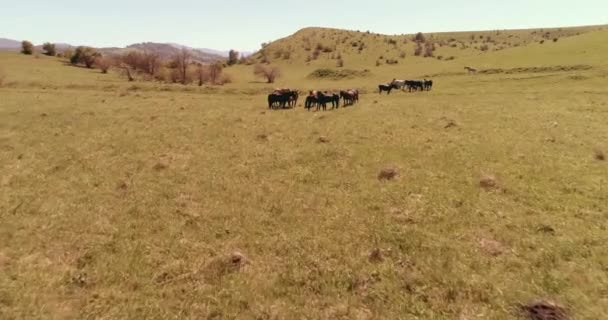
340, 63
27, 47
315, 54
484, 47
287, 55
85, 55
392, 41
378, 63
267, 72
542, 41
49, 49
418, 50
555, 39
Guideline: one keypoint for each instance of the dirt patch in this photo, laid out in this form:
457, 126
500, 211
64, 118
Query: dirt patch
543, 310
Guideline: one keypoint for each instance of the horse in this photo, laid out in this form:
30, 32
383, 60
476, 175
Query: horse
350, 97
398, 84
414, 84
470, 69
385, 87
311, 100
282, 98
327, 97
428, 85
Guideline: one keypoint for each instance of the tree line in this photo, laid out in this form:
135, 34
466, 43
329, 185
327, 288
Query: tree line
149, 65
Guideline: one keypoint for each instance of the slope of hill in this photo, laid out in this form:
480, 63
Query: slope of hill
324, 47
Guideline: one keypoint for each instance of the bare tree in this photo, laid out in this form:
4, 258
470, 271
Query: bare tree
181, 61
103, 63
215, 71
270, 73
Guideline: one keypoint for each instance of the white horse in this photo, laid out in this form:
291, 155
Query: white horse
398, 84
470, 69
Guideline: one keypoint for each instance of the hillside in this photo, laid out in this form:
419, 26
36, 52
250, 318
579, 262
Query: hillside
324, 47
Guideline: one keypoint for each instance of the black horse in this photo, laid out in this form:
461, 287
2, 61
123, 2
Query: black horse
311, 100
324, 98
281, 99
414, 85
386, 87
428, 85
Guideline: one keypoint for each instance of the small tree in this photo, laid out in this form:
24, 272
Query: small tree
27, 47
233, 57
49, 49
270, 73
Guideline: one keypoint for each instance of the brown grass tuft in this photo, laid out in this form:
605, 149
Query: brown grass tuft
376, 256
323, 140
599, 155
159, 166
388, 174
544, 310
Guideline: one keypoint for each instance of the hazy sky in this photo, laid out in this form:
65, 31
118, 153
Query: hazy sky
244, 25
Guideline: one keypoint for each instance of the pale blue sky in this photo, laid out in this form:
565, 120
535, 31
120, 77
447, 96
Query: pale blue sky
244, 25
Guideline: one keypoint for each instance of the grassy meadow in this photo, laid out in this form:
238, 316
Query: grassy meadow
144, 200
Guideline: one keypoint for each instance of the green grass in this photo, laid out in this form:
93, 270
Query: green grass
125, 201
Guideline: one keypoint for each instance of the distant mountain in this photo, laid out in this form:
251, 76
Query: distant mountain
9, 44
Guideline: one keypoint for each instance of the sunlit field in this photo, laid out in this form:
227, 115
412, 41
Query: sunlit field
143, 200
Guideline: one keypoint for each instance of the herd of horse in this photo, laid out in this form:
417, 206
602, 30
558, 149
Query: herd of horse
410, 85
288, 98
